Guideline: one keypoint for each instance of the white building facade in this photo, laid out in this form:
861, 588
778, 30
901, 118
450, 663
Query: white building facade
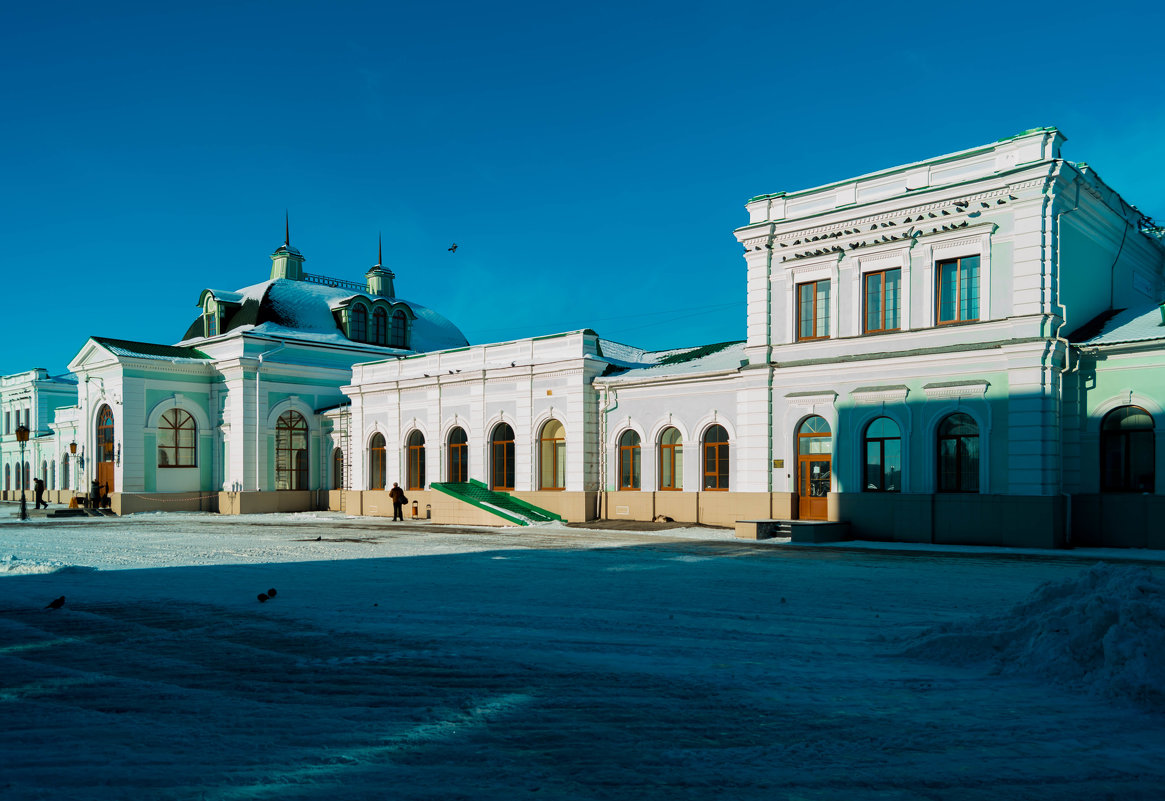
963, 349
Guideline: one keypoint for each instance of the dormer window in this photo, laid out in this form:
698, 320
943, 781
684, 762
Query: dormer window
210, 318
358, 328
379, 326
399, 334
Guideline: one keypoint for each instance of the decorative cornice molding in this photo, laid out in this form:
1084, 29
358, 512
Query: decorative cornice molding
956, 389
888, 394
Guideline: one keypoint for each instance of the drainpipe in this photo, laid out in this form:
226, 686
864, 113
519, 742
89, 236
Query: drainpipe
1067, 357
258, 367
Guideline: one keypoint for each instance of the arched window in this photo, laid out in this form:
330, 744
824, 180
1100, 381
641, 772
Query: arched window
337, 469
958, 454
7, 478
27, 475
883, 469
176, 439
552, 456
52, 475
399, 334
44, 472
379, 326
415, 476
458, 456
629, 460
671, 460
105, 435
502, 458
1127, 452
210, 319
377, 464
716, 458
65, 471
291, 452
358, 330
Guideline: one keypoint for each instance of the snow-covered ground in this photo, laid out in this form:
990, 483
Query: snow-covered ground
415, 661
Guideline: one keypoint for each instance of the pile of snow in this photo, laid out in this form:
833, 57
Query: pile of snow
1102, 631
12, 565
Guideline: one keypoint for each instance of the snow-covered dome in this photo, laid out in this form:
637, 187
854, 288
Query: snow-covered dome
322, 313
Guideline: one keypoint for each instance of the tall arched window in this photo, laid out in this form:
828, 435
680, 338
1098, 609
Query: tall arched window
7, 478
377, 463
671, 460
716, 458
358, 330
379, 326
883, 466
958, 454
176, 439
1127, 452
552, 456
291, 452
27, 476
399, 333
458, 456
52, 475
502, 458
629, 461
337, 469
65, 465
415, 476
44, 472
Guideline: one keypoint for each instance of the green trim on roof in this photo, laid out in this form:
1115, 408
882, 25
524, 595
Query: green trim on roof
151, 349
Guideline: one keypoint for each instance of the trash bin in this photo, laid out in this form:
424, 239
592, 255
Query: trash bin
416, 508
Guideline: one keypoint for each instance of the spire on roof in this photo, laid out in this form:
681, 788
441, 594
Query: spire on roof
380, 277
286, 229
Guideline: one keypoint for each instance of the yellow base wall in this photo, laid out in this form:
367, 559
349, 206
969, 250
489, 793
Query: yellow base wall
129, 503
448, 510
257, 503
574, 507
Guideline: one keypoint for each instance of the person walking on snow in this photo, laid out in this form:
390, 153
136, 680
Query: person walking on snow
38, 488
398, 502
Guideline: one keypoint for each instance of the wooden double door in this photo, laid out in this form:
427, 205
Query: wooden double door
814, 478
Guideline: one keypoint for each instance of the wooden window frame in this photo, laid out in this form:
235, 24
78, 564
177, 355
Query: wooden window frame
379, 326
881, 441
716, 453
667, 456
865, 305
503, 453
415, 462
176, 420
398, 335
295, 471
554, 467
634, 453
959, 440
459, 449
1124, 438
958, 305
337, 468
813, 305
377, 462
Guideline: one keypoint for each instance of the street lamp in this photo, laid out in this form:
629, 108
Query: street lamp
73, 452
22, 437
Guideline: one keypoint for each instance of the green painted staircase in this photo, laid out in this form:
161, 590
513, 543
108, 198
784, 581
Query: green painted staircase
497, 503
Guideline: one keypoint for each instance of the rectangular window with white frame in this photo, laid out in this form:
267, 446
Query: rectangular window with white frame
813, 310
883, 301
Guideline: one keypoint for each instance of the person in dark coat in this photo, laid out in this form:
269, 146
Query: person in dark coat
398, 502
38, 488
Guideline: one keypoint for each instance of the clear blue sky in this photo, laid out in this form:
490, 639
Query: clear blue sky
591, 160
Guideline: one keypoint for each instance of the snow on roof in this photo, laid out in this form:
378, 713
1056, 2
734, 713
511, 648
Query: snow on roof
303, 310
720, 357
1131, 325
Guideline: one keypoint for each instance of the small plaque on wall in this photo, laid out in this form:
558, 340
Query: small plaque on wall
778, 462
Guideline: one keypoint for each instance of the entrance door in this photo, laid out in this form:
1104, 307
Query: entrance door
105, 450
813, 487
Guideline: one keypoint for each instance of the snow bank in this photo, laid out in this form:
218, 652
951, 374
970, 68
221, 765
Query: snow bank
12, 565
1102, 631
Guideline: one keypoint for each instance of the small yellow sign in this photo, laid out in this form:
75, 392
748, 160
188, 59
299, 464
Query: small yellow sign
778, 462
